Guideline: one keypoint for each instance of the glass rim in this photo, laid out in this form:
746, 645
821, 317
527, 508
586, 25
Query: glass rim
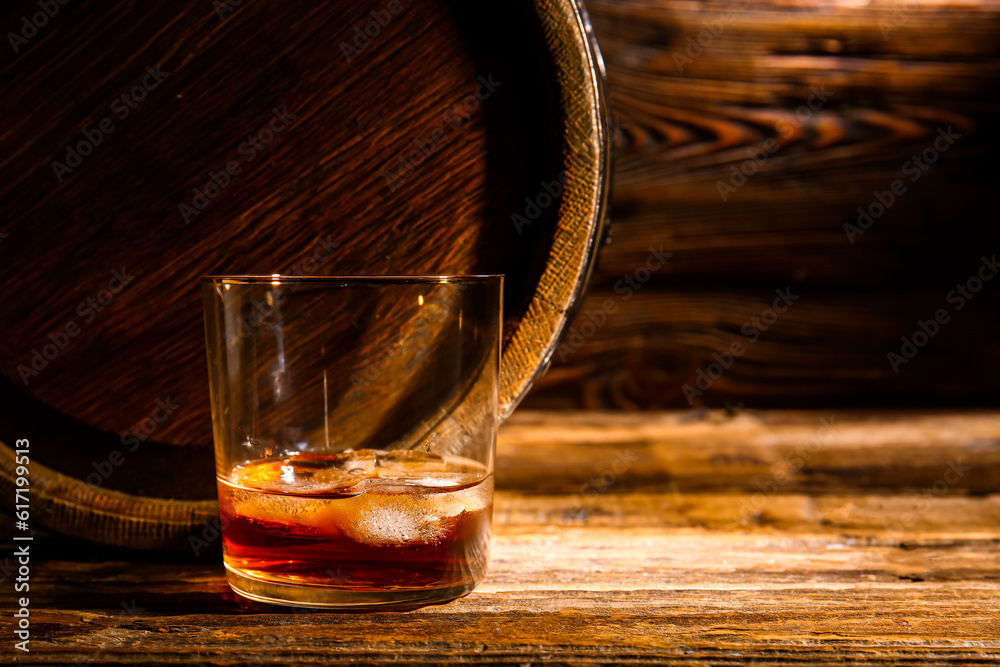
279, 279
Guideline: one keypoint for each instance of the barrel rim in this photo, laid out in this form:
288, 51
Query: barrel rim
594, 224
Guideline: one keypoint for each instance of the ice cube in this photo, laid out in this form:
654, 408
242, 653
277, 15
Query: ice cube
397, 519
374, 497
406, 464
408, 517
358, 462
286, 489
297, 475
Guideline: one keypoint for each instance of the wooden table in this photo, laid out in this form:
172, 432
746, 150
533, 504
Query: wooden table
697, 538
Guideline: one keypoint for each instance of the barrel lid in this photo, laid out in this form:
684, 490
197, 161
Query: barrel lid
149, 148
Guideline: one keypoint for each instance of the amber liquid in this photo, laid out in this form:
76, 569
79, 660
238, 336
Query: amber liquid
366, 521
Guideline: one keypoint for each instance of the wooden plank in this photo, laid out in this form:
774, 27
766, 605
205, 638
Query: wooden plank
821, 452
582, 595
768, 243
639, 573
828, 347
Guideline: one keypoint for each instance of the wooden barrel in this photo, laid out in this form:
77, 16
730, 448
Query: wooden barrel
148, 146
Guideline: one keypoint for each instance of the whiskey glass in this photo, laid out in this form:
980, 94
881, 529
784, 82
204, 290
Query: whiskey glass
355, 422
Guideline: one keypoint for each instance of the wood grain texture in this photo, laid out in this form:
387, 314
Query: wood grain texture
827, 572
346, 185
148, 343
428, 215
823, 451
892, 74
829, 348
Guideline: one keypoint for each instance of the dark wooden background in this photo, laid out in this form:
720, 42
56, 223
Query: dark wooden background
673, 558
894, 73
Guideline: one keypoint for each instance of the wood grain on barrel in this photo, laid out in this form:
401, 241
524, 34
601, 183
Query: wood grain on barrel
338, 181
642, 571
407, 152
849, 93
120, 209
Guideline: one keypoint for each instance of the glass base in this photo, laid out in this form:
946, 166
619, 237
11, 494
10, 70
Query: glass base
338, 599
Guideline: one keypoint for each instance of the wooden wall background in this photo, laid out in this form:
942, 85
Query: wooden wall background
893, 74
